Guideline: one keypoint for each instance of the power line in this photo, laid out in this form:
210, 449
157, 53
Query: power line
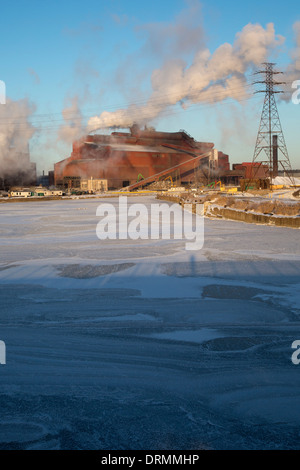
43, 122
164, 99
270, 138
134, 116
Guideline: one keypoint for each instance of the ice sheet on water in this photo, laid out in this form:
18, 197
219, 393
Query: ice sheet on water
179, 350
78, 271
190, 336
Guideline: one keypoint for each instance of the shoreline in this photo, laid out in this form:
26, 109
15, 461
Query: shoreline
217, 207
213, 209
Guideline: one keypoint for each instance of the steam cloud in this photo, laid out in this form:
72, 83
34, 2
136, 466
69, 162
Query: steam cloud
15, 133
210, 78
73, 123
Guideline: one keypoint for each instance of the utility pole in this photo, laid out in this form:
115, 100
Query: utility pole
270, 148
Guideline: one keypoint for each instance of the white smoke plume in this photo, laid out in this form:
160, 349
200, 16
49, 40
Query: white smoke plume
211, 77
15, 133
73, 126
183, 35
34, 75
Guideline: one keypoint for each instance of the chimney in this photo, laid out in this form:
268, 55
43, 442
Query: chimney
275, 156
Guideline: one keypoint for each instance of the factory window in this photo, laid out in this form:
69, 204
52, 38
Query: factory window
126, 183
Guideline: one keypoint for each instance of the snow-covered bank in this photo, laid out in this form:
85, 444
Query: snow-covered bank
281, 208
124, 344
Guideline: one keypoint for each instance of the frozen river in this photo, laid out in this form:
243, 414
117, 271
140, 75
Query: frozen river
123, 344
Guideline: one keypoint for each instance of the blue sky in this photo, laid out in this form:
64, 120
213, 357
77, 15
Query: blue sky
100, 56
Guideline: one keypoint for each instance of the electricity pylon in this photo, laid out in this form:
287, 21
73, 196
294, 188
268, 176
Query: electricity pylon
270, 148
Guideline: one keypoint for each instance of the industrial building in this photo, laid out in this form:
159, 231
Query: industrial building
18, 170
46, 180
123, 159
38, 191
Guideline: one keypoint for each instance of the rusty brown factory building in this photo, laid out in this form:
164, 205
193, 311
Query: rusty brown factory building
123, 158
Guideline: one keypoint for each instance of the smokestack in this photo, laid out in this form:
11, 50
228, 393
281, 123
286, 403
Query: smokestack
275, 156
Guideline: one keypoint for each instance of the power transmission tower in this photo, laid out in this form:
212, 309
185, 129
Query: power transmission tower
270, 148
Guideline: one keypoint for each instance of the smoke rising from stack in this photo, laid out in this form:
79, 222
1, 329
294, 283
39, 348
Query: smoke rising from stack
15, 133
212, 77
72, 128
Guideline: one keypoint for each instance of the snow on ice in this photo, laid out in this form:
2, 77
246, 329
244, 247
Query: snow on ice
123, 344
